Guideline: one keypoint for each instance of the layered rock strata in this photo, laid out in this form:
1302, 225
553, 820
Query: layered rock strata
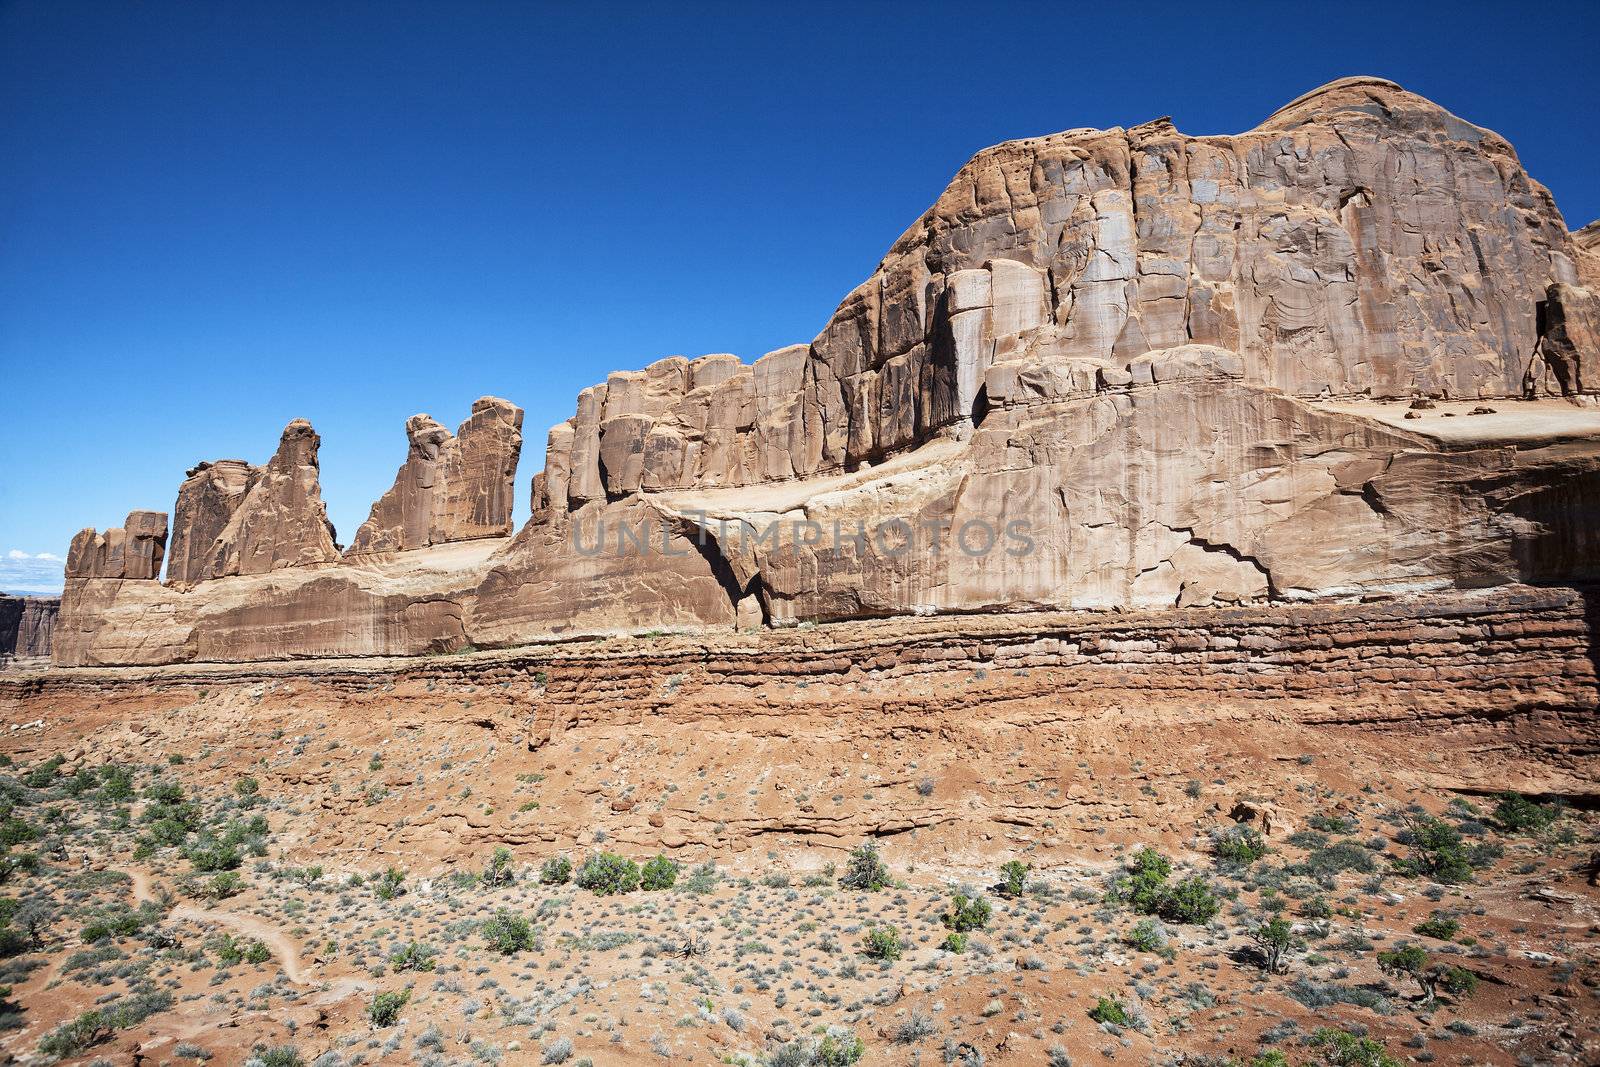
133, 550
26, 626
1133, 369
453, 487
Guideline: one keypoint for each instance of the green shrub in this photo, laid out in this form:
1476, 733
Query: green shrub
499, 871
954, 942
1239, 845
1109, 1010
413, 957
1438, 925
508, 933
882, 943
211, 855
839, 1049
967, 913
606, 873
1276, 940
1412, 962
556, 871
1516, 814
1436, 850
385, 1007
659, 873
1190, 901
865, 871
1341, 1049
1014, 878
390, 884
1147, 935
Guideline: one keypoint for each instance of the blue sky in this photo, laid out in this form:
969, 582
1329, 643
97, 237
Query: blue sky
218, 217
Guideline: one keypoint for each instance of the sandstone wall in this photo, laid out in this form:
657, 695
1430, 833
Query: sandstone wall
1162, 355
26, 625
133, 550
453, 487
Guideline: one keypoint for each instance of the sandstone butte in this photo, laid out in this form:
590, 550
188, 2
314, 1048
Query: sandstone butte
1349, 356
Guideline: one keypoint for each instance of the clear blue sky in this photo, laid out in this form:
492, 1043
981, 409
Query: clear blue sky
216, 217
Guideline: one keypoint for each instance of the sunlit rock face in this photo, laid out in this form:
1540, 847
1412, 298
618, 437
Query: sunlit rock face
1140, 369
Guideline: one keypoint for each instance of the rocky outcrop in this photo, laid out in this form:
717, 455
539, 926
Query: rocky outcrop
280, 521
452, 487
207, 502
1570, 343
1587, 242
1108, 369
133, 550
26, 625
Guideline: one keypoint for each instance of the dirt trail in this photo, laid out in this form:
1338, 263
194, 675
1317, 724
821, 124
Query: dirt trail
286, 951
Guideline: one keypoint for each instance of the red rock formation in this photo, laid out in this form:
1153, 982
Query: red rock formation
451, 488
281, 520
207, 501
1164, 356
26, 626
133, 550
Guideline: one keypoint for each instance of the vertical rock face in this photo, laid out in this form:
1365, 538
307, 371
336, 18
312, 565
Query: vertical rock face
1587, 242
1362, 242
207, 501
26, 626
133, 550
452, 487
1571, 345
281, 520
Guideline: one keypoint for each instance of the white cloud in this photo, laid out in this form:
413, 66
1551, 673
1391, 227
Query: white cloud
49, 557
15, 554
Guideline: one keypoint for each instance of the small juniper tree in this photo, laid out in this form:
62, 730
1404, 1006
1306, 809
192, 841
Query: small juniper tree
865, 871
1277, 941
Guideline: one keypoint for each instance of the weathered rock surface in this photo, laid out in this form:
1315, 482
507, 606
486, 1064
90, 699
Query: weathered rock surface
1571, 348
207, 502
1136, 369
1587, 242
26, 625
281, 520
133, 550
452, 487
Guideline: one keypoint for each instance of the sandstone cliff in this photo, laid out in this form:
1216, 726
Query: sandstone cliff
133, 550
1144, 370
26, 625
452, 487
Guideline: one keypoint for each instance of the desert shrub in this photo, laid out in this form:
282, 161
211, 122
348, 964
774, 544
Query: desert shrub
278, 1056
413, 957
1190, 901
1438, 925
212, 855
556, 1050
1517, 814
1014, 878
1239, 845
882, 943
556, 871
1147, 935
659, 873
1412, 962
954, 942
1110, 1010
390, 884
917, 1027
507, 932
967, 913
385, 1007
1436, 850
606, 873
1276, 940
1342, 1049
498, 872
865, 871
